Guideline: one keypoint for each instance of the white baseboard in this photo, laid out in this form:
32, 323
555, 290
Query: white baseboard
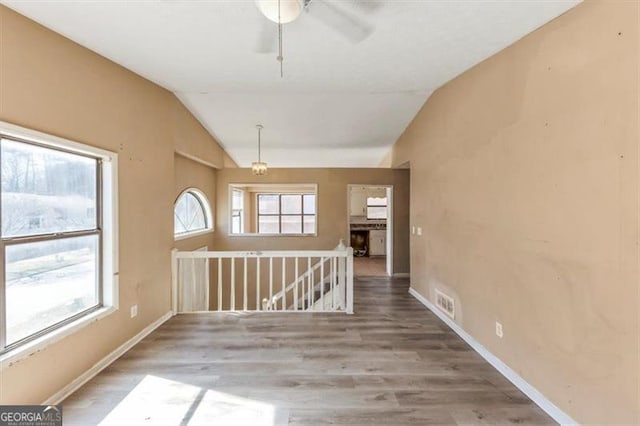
63, 393
550, 408
401, 275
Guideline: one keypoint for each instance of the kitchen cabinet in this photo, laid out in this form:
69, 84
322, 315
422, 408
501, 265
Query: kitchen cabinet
377, 242
358, 204
358, 199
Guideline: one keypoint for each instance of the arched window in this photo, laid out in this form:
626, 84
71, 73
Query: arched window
192, 214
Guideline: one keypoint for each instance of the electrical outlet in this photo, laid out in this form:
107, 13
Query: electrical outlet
419, 230
134, 311
413, 230
499, 332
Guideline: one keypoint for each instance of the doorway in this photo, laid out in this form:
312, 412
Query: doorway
370, 213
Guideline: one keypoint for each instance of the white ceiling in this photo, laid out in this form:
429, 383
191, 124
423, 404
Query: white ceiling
340, 104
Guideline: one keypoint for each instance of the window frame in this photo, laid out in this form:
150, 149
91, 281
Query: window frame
250, 212
106, 253
206, 208
385, 205
237, 212
279, 215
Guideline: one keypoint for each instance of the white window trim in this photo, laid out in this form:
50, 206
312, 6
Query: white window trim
110, 267
192, 234
207, 213
242, 212
36, 345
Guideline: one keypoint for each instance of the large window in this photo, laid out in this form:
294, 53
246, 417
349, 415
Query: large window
286, 213
192, 214
376, 207
52, 246
272, 209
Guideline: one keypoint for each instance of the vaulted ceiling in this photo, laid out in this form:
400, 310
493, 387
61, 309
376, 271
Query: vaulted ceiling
342, 102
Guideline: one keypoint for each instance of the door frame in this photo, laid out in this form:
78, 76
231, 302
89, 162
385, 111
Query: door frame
389, 233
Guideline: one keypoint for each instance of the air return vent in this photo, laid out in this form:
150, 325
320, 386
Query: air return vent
445, 303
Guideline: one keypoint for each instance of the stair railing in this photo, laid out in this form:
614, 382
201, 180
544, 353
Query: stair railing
257, 280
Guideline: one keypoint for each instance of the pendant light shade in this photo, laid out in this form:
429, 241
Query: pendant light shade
259, 168
289, 10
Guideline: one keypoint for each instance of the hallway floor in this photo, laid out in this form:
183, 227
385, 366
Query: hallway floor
391, 363
370, 266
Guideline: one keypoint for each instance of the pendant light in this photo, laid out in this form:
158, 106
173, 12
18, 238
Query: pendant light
281, 11
258, 167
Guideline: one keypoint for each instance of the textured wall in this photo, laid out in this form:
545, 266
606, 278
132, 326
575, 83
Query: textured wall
50, 84
524, 178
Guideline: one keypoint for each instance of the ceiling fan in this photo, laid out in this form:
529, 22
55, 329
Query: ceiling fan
333, 14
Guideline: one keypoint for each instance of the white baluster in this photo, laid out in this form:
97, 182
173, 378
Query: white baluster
322, 284
219, 284
284, 285
310, 285
257, 283
295, 286
303, 284
270, 281
333, 283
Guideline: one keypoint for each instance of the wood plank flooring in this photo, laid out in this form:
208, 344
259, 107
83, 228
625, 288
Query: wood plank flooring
370, 266
391, 363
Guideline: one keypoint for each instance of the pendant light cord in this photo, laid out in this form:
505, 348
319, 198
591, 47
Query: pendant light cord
280, 57
259, 131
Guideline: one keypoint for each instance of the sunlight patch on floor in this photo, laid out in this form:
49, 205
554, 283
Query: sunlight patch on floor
158, 401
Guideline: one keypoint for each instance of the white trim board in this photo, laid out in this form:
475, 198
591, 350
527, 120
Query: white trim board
63, 393
401, 275
549, 407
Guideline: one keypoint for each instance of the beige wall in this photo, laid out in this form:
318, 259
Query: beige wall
51, 84
228, 162
332, 220
524, 174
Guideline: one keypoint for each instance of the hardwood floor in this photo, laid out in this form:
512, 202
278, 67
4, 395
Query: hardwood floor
391, 363
370, 266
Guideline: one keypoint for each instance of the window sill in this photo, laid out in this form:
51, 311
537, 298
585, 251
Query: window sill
24, 351
193, 234
273, 235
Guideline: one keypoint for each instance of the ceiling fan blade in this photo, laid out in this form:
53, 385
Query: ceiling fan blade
350, 26
267, 37
367, 6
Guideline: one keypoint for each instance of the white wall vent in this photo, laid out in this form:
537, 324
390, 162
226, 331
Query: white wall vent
445, 303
